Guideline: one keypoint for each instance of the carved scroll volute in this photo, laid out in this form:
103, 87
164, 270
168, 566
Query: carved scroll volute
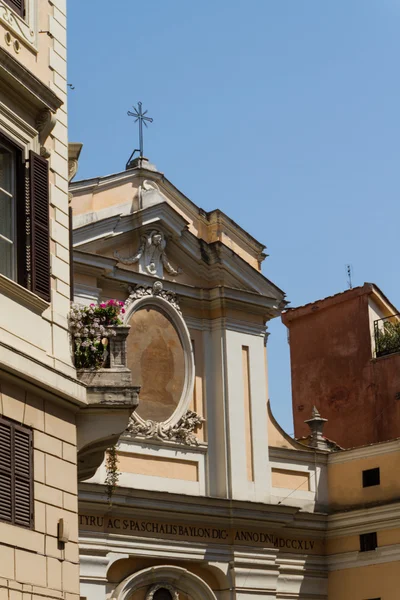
45, 123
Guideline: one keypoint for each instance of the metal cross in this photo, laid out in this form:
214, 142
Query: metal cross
141, 117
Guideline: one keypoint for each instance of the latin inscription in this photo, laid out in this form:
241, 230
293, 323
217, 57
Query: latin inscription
211, 534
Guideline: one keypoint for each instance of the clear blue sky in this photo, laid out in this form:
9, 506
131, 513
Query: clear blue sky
282, 113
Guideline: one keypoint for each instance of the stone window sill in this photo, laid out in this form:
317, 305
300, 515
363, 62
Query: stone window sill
13, 290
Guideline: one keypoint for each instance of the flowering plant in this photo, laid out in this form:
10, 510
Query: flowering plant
89, 326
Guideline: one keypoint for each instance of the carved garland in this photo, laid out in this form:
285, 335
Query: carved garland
157, 289
182, 432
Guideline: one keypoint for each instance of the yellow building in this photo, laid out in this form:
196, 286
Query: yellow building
363, 534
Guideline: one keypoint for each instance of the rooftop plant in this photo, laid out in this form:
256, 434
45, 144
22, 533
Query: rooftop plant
387, 338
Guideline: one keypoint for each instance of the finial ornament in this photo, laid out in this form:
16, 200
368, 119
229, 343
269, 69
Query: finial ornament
316, 424
140, 116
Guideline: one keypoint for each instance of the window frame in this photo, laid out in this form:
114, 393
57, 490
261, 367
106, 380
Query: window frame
13, 240
19, 209
14, 472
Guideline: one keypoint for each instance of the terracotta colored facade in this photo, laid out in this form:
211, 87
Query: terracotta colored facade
334, 367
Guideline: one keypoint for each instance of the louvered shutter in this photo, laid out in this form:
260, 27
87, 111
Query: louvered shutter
6, 483
40, 220
16, 496
17, 5
22, 476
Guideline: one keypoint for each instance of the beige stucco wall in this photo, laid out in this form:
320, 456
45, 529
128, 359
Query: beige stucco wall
374, 581
33, 557
158, 466
345, 479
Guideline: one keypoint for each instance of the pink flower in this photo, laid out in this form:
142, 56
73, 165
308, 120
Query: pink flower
121, 303
103, 305
123, 310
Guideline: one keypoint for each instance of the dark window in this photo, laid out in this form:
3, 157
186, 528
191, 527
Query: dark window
17, 5
16, 502
24, 219
371, 477
368, 541
162, 594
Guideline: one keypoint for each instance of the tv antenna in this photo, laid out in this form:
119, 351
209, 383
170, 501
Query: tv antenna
349, 271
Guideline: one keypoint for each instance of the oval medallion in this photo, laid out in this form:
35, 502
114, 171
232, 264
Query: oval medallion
156, 358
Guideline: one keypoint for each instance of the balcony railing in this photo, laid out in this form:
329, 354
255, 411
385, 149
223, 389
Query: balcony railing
387, 335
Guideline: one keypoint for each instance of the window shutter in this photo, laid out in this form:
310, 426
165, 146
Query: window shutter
6, 487
40, 219
18, 6
23, 470
71, 256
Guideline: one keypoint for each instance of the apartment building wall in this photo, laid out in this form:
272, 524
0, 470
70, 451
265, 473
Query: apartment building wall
363, 537
39, 392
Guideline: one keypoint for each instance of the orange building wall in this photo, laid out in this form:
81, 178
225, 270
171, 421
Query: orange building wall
333, 367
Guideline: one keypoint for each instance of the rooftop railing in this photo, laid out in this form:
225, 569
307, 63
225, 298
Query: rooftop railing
387, 335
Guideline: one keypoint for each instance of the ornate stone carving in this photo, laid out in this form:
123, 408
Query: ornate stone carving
181, 433
16, 24
151, 255
157, 289
158, 586
72, 168
45, 122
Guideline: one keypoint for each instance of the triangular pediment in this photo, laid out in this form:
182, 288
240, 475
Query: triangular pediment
140, 225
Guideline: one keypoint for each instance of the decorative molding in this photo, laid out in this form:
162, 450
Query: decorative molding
45, 123
18, 25
17, 292
158, 586
363, 452
157, 289
183, 432
151, 255
356, 559
25, 84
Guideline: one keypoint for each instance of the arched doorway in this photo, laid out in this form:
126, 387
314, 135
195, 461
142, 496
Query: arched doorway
164, 583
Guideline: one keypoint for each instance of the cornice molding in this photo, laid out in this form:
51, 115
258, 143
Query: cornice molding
19, 78
296, 455
370, 451
363, 520
354, 560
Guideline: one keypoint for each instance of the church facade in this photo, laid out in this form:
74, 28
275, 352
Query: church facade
213, 500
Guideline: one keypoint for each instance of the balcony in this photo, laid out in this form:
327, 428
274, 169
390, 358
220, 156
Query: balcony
112, 398
387, 335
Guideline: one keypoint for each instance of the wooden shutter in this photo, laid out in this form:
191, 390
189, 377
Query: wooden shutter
22, 476
40, 220
6, 483
18, 6
16, 496
71, 256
